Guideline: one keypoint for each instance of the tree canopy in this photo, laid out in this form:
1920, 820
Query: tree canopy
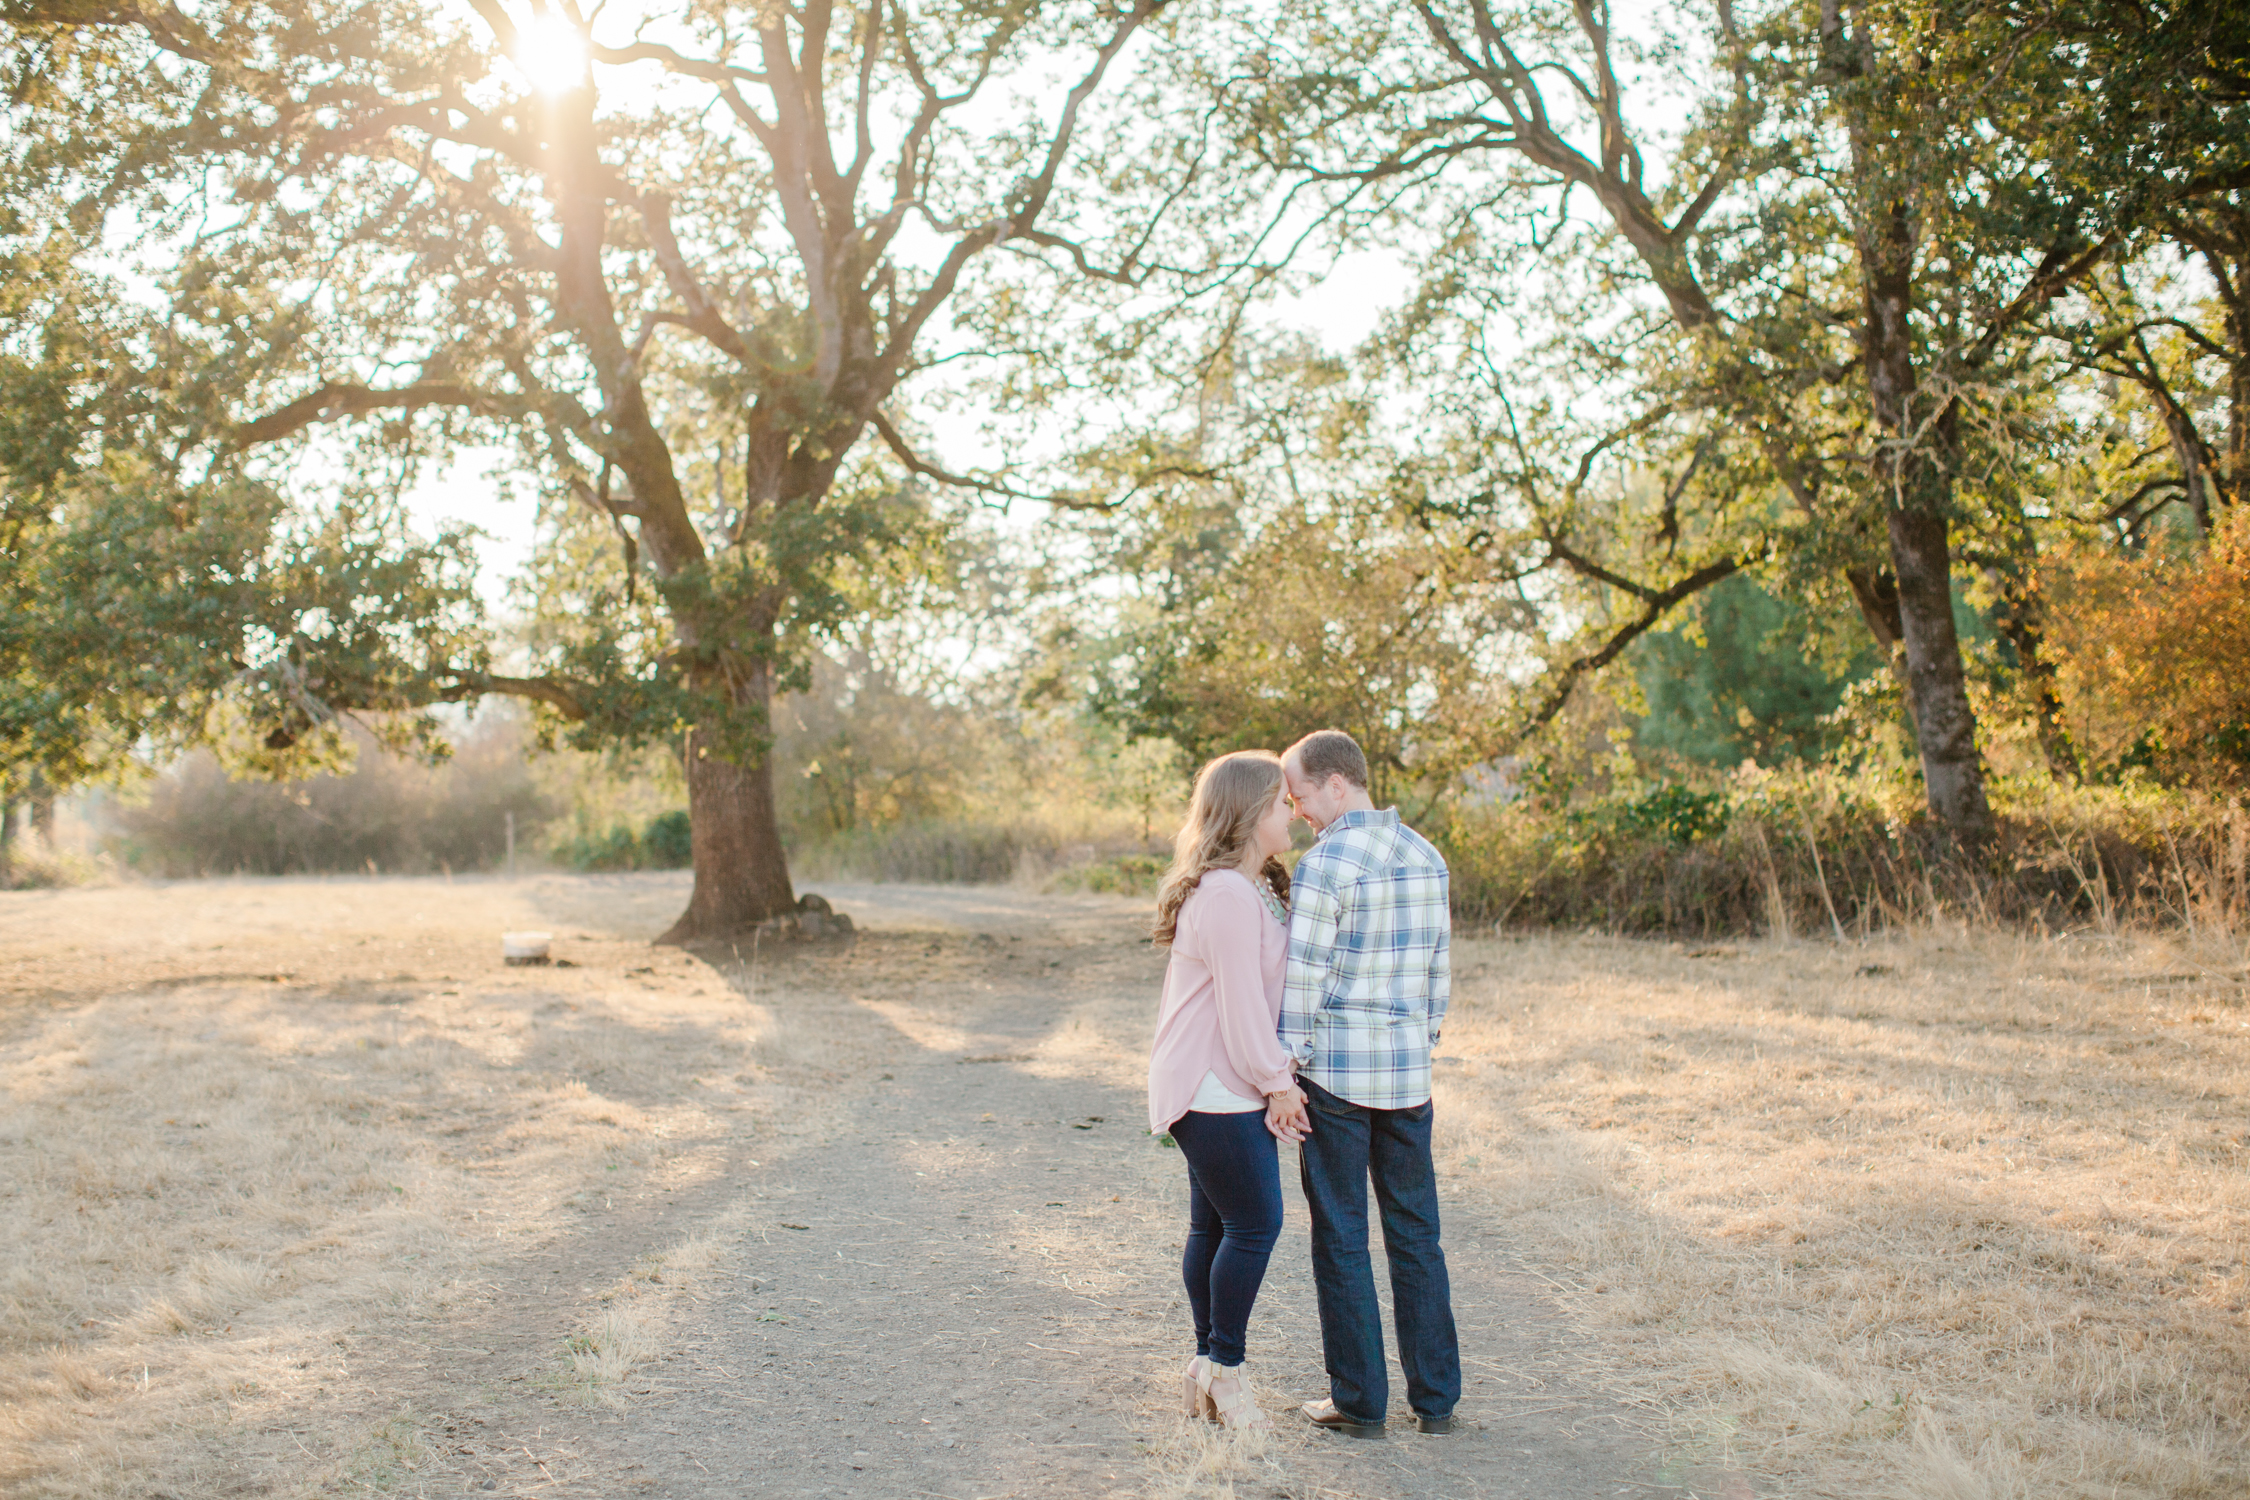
1870, 310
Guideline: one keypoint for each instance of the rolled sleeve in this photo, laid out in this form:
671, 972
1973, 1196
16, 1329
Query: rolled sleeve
1441, 975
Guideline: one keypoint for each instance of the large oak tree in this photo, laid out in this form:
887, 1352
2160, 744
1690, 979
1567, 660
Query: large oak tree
684, 262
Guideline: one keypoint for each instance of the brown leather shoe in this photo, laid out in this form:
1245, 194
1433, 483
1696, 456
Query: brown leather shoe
1436, 1425
1323, 1413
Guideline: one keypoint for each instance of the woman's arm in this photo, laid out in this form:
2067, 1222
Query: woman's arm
1229, 929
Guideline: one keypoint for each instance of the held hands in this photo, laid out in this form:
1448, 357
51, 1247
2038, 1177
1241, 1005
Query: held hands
1286, 1116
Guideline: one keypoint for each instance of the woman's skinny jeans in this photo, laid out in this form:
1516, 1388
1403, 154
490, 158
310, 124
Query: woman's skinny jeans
1234, 1216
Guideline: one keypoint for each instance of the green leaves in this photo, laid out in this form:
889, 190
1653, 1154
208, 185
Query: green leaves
145, 615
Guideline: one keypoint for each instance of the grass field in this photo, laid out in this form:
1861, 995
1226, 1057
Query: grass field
1954, 1215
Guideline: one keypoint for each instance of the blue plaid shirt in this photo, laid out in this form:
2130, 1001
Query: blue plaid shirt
1369, 969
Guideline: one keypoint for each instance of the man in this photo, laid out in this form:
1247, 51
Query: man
1368, 980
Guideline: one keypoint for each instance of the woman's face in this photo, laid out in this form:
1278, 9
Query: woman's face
1272, 835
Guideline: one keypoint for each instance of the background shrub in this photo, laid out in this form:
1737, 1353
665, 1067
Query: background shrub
1818, 849
2152, 653
665, 843
968, 853
662, 844
383, 815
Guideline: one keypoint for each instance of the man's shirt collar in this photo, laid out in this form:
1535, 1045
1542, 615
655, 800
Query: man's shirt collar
1378, 817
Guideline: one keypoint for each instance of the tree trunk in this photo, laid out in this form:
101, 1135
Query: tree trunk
2189, 451
2234, 480
741, 873
43, 812
1913, 477
1945, 727
2236, 486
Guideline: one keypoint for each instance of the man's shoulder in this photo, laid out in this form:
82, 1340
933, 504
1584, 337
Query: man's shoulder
1388, 845
1419, 849
1337, 856
1344, 862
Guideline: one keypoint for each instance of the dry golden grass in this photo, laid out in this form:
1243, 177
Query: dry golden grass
1957, 1216
267, 1148
1193, 1460
1970, 1225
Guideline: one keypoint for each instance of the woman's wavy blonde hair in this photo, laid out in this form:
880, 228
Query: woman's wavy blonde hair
1231, 794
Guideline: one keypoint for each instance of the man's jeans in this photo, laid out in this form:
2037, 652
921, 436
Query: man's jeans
1349, 1144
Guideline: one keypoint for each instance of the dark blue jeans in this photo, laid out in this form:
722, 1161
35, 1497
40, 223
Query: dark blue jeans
1234, 1216
1350, 1144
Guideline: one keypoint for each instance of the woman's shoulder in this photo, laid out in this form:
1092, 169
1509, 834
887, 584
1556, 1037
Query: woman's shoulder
1219, 896
1228, 886
1226, 901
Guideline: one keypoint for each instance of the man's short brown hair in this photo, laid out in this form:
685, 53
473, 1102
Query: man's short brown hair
1330, 752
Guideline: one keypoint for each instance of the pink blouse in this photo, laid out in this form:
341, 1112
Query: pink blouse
1222, 999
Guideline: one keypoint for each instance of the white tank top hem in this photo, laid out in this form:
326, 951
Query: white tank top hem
1215, 1098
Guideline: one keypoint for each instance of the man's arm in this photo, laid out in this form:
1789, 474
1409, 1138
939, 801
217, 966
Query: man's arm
1441, 963
1313, 912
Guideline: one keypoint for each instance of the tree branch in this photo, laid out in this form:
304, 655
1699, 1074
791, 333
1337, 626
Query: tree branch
564, 698
2058, 269
675, 62
167, 25
1654, 608
1030, 199
916, 464
1034, 198
333, 401
703, 315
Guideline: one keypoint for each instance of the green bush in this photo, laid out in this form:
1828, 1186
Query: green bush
661, 845
1674, 812
615, 849
665, 843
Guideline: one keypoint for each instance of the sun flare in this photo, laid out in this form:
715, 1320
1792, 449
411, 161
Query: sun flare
551, 53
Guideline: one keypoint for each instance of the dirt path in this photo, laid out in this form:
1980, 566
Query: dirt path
302, 1193
969, 1289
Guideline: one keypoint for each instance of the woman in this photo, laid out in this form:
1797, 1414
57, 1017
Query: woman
1216, 1066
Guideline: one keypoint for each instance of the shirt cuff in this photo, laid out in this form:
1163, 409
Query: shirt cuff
1280, 1082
